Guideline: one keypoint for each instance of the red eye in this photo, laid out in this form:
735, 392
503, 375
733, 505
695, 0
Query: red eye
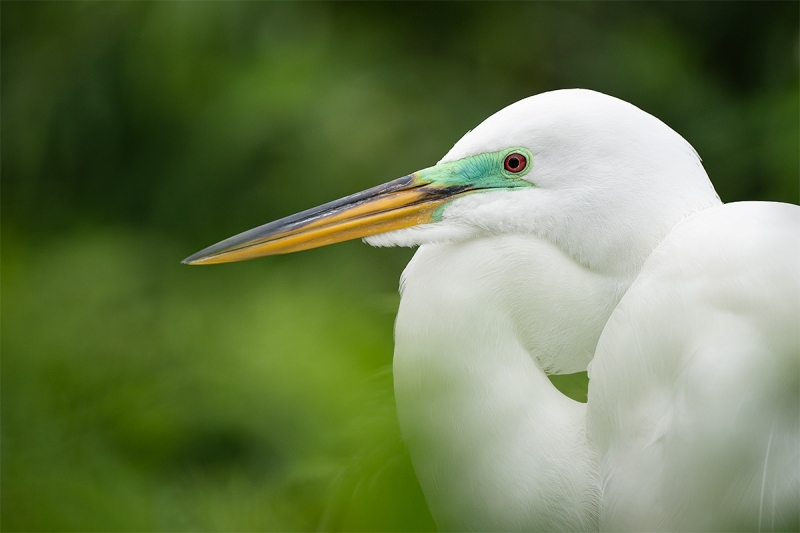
515, 162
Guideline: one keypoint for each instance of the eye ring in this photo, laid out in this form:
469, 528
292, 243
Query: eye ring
515, 162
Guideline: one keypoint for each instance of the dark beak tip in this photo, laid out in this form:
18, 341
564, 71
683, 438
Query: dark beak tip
191, 260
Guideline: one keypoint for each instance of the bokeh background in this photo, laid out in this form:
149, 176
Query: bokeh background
139, 394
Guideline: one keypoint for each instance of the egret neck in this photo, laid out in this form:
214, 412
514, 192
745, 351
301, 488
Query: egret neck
494, 444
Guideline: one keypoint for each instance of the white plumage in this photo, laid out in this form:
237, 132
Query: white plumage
694, 397
621, 258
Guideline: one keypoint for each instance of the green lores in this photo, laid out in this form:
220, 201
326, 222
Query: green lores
482, 171
488, 171
418, 198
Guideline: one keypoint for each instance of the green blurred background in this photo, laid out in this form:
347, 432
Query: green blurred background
140, 394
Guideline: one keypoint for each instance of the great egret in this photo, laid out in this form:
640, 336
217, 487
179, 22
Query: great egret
573, 230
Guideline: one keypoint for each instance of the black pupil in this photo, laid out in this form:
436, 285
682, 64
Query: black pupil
513, 163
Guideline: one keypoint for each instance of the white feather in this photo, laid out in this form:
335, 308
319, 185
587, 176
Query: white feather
623, 253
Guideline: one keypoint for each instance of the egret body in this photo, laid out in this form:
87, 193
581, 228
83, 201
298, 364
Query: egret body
573, 231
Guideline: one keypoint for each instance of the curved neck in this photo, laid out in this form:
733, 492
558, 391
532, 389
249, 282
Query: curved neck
500, 450
494, 444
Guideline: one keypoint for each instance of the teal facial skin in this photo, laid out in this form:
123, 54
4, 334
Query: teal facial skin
478, 173
418, 198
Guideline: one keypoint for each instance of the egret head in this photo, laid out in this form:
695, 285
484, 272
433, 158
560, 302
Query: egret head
593, 174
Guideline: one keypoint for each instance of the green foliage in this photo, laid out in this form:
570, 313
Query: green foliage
140, 394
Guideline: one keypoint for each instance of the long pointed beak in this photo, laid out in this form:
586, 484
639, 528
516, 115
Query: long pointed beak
400, 203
